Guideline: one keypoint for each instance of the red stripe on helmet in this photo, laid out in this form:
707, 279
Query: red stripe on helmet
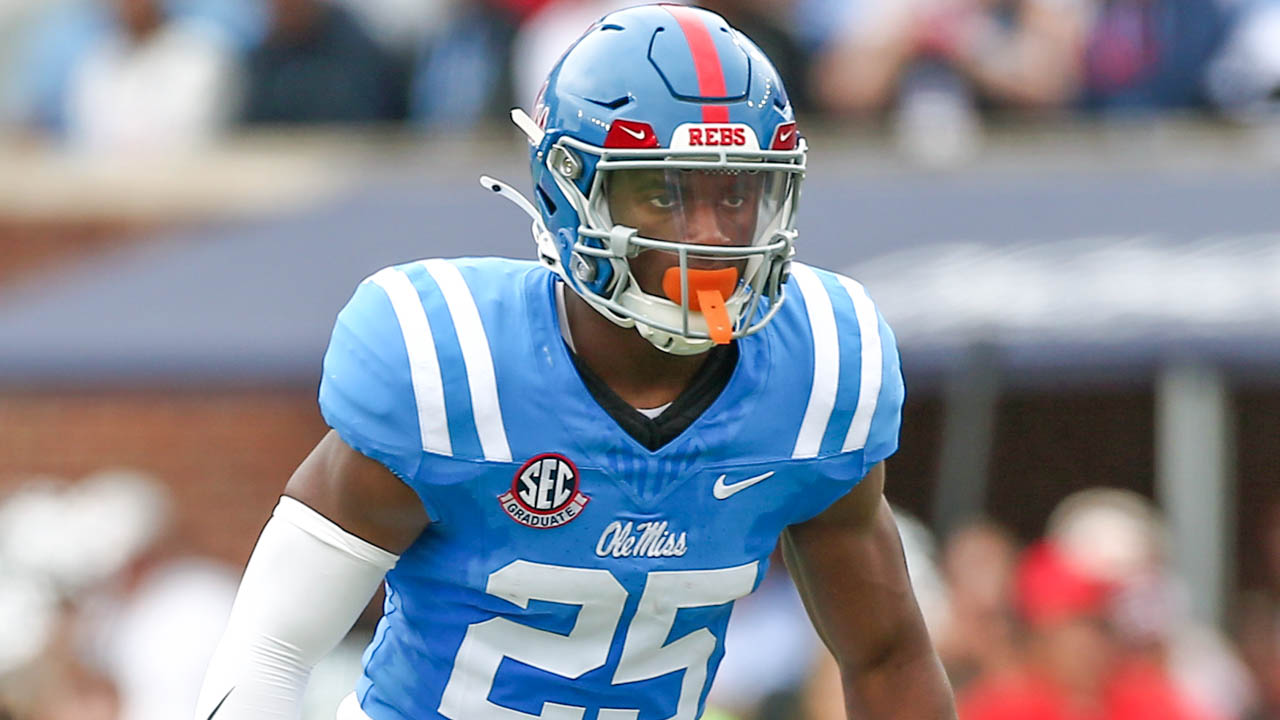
706, 60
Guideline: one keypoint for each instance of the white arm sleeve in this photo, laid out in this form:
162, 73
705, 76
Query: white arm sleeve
306, 583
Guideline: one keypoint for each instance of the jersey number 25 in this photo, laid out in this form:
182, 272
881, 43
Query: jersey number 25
601, 597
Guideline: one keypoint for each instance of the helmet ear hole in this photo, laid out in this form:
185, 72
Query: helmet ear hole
548, 205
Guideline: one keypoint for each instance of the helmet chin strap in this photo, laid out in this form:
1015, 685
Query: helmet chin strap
665, 310
671, 343
548, 253
512, 194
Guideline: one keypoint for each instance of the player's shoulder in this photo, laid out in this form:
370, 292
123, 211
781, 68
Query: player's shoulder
414, 313
842, 357
831, 315
485, 279
398, 298
411, 338
817, 296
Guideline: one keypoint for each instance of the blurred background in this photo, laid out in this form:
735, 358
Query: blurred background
1065, 208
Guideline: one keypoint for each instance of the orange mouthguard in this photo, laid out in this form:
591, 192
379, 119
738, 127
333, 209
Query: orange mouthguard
707, 290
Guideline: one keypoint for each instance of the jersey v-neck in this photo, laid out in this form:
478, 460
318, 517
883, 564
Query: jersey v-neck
652, 432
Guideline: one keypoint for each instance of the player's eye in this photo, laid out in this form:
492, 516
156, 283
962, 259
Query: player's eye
733, 201
664, 201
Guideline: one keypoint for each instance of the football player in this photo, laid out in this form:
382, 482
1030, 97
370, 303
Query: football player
567, 471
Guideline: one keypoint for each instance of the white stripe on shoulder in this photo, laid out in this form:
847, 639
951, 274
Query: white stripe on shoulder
826, 361
424, 366
872, 364
477, 356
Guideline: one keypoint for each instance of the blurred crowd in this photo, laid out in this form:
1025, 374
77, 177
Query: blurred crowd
162, 75
1091, 621
105, 614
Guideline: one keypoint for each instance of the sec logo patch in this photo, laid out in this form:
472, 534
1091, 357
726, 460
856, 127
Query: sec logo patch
545, 492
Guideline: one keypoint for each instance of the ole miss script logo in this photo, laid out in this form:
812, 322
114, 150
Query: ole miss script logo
545, 493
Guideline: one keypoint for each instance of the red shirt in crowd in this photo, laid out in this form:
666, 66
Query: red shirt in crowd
1136, 691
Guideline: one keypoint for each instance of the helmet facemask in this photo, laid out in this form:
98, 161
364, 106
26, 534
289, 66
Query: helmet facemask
685, 218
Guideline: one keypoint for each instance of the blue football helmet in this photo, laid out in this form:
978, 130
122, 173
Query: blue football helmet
672, 102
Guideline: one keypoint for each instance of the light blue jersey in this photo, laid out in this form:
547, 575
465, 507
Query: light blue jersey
569, 573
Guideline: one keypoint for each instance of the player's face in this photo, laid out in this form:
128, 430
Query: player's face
709, 208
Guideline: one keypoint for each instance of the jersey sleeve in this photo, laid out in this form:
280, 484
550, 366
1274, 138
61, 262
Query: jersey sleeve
886, 420
850, 372
366, 391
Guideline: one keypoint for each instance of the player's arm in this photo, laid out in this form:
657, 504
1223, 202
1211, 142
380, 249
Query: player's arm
849, 566
358, 494
341, 525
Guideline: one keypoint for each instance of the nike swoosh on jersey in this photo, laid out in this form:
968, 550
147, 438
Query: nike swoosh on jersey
218, 707
724, 490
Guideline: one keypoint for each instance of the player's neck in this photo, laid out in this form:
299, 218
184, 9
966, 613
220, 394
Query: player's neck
631, 366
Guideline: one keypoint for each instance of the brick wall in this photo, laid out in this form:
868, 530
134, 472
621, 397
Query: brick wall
31, 246
226, 455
